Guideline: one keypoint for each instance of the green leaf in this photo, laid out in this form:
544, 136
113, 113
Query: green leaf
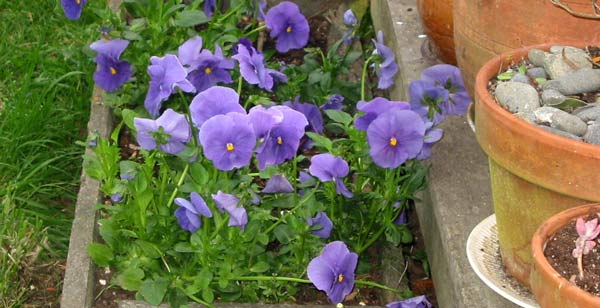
208, 295
283, 233
522, 69
392, 234
150, 250
201, 281
540, 80
339, 116
100, 253
153, 291
570, 103
190, 18
130, 279
321, 141
260, 267
505, 76
128, 116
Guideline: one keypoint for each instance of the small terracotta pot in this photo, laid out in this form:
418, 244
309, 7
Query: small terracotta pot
534, 174
550, 289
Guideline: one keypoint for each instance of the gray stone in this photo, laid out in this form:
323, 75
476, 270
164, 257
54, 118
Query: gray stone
560, 132
537, 72
584, 80
543, 115
568, 123
588, 113
518, 77
593, 134
517, 97
552, 97
566, 61
536, 57
527, 116
550, 84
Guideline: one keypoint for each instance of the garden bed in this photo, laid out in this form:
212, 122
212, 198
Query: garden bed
98, 199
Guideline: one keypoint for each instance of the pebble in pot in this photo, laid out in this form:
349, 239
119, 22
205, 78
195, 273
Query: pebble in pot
517, 96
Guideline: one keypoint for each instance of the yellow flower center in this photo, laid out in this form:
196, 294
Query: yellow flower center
289, 29
340, 278
113, 71
279, 140
230, 147
208, 70
393, 141
78, 1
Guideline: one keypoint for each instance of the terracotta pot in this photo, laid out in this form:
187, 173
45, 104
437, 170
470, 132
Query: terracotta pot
550, 289
484, 29
534, 174
437, 19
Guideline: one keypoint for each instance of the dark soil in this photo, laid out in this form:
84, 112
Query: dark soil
558, 252
106, 295
44, 281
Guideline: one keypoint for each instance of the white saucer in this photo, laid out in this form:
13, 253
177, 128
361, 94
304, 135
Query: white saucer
483, 253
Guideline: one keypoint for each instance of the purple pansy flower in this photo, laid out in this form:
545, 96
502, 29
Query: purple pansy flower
210, 69
209, 7
282, 140
278, 184
111, 72
264, 119
166, 73
334, 102
414, 302
386, 68
327, 168
432, 135
333, 271
229, 203
311, 112
286, 23
116, 198
216, 100
189, 52
252, 67
374, 108
261, 6
73, 8
449, 78
349, 18
427, 100
228, 140
170, 132
322, 223
394, 137
187, 213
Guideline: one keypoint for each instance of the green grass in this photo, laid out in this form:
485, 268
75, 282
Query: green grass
45, 90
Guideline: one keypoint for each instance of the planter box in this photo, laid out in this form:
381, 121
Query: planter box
79, 282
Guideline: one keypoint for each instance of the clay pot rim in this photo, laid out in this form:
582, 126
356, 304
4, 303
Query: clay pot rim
540, 262
489, 70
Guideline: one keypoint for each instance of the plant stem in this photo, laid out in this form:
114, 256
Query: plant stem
256, 30
363, 79
270, 278
185, 171
376, 285
299, 280
197, 300
239, 87
280, 220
